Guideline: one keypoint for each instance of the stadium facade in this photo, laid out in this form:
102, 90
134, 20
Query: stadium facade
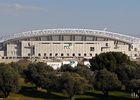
66, 43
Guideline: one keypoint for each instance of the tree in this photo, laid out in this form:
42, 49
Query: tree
36, 73
9, 79
50, 82
18, 67
84, 71
135, 86
137, 66
73, 84
109, 60
106, 81
67, 67
126, 73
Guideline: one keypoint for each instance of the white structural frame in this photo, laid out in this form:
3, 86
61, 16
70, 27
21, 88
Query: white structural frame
68, 30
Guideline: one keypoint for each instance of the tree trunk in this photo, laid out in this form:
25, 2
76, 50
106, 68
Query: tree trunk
138, 95
6, 94
105, 93
72, 98
126, 88
49, 91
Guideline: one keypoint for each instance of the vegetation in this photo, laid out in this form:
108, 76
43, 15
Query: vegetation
84, 71
9, 79
73, 84
114, 63
134, 85
29, 92
126, 73
67, 67
109, 60
109, 72
17, 67
106, 81
50, 82
39, 74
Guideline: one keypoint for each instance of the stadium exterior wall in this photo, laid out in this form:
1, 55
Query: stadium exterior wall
65, 45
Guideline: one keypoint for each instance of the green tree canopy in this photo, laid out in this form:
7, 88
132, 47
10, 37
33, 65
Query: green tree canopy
36, 73
126, 73
50, 82
18, 67
9, 79
137, 66
106, 81
67, 67
84, 71
134, 85
72, 84
109, 60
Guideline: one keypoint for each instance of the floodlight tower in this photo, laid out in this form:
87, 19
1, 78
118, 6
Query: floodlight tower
105, 29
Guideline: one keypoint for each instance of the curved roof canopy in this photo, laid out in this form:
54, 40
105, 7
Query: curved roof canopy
76, 31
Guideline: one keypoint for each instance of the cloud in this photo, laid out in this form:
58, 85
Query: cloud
18, 8
32, 8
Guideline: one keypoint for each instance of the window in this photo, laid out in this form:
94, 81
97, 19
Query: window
56, 54
91, 48
39, 54
67, 54
29, 54
96, 54
33, 50
73, 54
29, 44
90, 54
101, 49
50, 54
79, 54
62, 54
135, 49
106, 44
85, 54
44, 54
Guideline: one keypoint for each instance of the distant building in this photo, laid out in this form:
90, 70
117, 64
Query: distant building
66, 44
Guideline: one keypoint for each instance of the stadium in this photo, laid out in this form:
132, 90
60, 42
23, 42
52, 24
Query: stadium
66, 44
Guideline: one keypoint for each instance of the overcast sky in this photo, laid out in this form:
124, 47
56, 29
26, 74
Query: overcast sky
121, 16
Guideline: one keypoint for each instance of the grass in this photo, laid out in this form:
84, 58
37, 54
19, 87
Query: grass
29, 92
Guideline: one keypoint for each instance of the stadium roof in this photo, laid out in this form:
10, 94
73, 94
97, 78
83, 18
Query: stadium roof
76, 31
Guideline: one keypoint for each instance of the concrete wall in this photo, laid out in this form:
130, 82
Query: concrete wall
43, 48
1, 53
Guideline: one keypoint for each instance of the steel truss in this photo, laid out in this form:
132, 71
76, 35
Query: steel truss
77, 31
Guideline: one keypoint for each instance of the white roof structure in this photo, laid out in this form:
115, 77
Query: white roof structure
77, 31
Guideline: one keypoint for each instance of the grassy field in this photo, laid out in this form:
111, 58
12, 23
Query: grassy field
29, 92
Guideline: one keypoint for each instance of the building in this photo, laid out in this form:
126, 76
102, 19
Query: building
66, 44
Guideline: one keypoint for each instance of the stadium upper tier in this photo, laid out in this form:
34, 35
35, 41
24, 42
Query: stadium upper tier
101, 33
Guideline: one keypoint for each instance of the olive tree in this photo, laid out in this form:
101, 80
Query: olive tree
106, 81
126, 73
36, 73
84, 71
9, 79
72, 84
134, 85
18, 67
50, 82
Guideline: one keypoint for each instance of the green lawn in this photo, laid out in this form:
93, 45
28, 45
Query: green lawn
29, 92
